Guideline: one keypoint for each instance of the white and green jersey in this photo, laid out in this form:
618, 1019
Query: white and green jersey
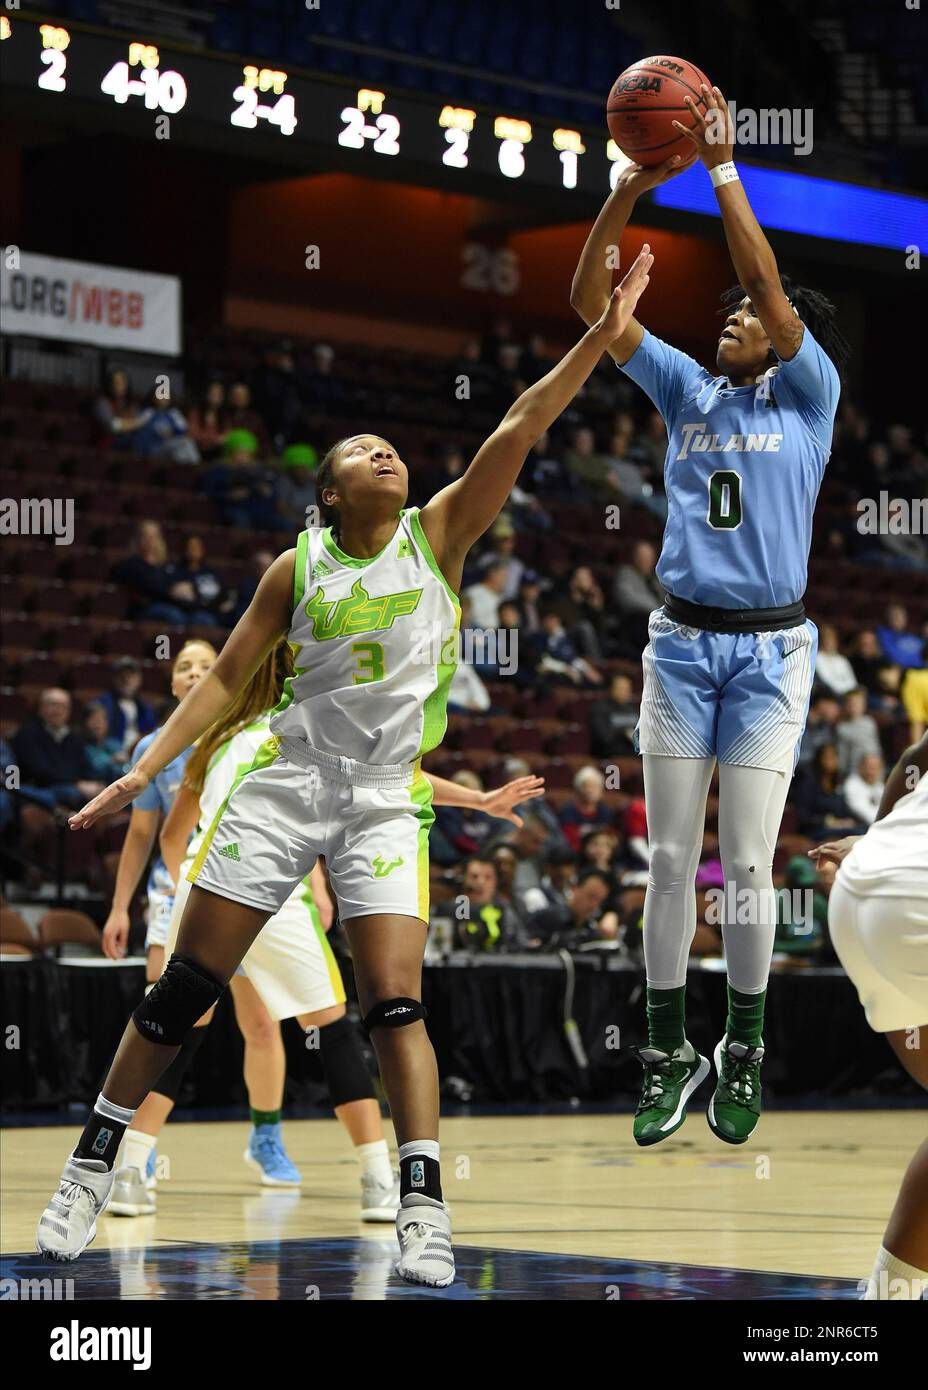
226, 767
375, 648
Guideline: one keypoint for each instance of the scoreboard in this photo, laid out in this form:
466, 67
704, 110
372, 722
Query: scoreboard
265, 113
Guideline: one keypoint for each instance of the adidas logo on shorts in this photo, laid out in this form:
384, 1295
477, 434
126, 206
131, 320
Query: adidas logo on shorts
231, 851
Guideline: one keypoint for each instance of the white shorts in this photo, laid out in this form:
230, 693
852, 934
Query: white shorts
157, 917
370, 824
882, 942
290, 964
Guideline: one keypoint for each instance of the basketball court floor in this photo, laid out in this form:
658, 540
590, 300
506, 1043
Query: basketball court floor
545, 1207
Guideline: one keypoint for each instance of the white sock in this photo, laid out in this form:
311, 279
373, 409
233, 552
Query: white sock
427, 1148
892, 1278
375, 1158
136, 1147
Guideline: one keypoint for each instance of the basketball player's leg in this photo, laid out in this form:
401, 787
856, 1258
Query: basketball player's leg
387, 950
751, 804
264, 1070
676, 789
214, 936
901, 1267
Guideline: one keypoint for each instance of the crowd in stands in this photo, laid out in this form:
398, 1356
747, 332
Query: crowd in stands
555, 607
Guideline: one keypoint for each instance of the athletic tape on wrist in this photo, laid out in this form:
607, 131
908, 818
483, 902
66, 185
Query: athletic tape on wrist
724, 173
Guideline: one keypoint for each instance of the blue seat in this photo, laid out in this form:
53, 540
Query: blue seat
265, 38
227, 32
334, 18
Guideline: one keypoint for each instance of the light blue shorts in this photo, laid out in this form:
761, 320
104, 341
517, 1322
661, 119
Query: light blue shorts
739, 697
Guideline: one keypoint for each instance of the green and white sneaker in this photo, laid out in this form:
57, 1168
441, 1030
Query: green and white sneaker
735, 1105
669, 1081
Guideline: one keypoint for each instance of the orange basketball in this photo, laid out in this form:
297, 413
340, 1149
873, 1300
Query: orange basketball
645, 99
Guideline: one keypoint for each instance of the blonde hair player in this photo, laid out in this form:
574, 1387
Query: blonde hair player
340, 777
878, 917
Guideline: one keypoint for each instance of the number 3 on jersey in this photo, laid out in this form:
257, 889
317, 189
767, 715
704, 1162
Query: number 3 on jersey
370, 662
724, 500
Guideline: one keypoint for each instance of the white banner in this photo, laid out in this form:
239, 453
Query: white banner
101, 304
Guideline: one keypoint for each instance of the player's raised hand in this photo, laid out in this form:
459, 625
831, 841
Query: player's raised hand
637, 179
113, 798
828, 856
501, 800
625, 297
713, 134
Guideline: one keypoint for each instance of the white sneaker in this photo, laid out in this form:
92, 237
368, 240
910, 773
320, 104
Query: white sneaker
69, 1222
423, 1228
380, 1201
132, 1194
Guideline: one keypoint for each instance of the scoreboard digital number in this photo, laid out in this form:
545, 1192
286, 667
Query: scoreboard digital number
256, 102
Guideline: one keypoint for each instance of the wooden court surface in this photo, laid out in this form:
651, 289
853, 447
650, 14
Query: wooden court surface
809, 1195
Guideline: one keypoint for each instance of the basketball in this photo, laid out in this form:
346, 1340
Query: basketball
645, 99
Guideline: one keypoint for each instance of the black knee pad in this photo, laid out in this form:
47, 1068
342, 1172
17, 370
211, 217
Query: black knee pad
345, 1069
184, 992
395, 1013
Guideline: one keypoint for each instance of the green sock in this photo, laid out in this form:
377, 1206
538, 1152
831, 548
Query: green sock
745, 1016
666, 1015
264, 1117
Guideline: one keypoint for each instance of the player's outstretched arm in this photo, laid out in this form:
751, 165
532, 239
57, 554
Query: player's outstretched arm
461, 512
499, 802
258, 630
713, 138
592, 282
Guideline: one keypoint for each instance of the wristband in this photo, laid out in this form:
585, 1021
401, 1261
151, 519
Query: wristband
724, 173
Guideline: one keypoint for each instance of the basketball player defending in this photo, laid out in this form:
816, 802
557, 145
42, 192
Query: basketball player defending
729, 664
371, 608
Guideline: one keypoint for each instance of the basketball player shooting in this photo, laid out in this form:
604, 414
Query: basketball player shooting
729, 664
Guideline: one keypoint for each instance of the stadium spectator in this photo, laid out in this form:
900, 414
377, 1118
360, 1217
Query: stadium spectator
7, 804
822, 809
470, 372
583, 920
586, 811
602, 850
162, 432
587, 469
635, 829
505, 377
802, 912
158, 591
540, 808
276, 393
488, 924
503, 538
915, 700
545, 473
240, 414
246, 588
116, 412
857, 733
613, 720
899, 645
535, 362
559, 874
468, 831
128, 716
205, 420
868, 660
899, 545
296, 485
242, 488
636, 592
212, 596
103, 751
556, 657
52, 757
485, 597
527, 842
626, 475
530, 604
832, 669
863, 789
821, 727
467, 693
323, 393
583, 612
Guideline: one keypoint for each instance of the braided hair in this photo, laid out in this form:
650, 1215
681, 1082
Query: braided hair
815, 310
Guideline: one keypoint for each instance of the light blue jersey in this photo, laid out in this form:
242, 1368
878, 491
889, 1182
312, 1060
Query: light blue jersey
743, 469
159, 796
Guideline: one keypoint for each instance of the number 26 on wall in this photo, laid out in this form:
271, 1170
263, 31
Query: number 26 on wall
489, 271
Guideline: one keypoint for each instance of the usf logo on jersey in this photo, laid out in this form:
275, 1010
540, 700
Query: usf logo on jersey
382, 867
358, 612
